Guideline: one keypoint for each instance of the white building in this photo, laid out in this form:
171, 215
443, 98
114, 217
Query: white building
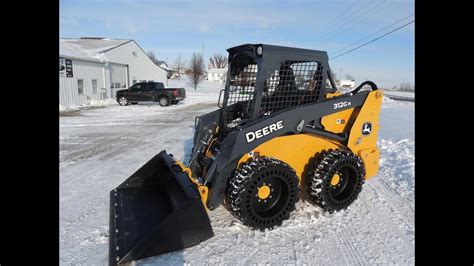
217, 74
345, 83
164, 65
95, 68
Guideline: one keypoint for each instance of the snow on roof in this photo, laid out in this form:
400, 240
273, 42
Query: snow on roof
160, 62
90, 49
164, 66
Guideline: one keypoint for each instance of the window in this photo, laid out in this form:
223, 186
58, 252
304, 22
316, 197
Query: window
117, 85
136, 87
94, 86
80, 86
296, 82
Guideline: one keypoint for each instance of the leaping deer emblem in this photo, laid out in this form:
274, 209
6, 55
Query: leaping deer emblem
367, 129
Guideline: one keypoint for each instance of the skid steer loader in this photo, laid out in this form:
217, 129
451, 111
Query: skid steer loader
281, 124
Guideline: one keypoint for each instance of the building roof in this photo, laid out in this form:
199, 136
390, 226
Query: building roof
160, 62
89, 49
164, 65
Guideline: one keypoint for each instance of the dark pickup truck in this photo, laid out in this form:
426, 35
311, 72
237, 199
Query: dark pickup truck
150, 91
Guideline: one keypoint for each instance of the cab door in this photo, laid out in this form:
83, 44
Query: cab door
135, 92
148, 92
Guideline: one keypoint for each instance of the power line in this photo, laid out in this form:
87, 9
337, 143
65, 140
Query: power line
349, 18
398, 21
372, 40
335, 18
361, 18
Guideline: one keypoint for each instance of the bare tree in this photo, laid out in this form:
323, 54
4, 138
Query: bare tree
198, 69
179, 65
218, 61
406, 87
349, 76
152, 56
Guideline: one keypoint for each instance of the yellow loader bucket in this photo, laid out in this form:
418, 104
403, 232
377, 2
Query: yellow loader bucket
155, 211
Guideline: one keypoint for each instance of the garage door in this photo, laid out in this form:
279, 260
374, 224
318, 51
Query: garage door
118, 77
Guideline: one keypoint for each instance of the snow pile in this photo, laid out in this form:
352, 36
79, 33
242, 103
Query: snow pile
206, 91
63, 107
386, 99
102, 102
204, 87
92, 103
400, 95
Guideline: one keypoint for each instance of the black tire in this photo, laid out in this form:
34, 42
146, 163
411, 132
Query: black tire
163, 101
122, 100
281, 183
336, 179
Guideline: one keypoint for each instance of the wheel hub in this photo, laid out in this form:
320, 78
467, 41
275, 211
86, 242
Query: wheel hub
335, 179
263, 192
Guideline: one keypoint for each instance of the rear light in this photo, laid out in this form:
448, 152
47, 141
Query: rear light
175, 93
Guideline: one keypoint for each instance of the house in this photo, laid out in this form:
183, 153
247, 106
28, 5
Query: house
345, 83
93, 68
217, 74
165, 66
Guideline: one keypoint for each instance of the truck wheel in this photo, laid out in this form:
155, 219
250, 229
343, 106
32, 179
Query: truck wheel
336, 179
122, 101
263, 192
163, 101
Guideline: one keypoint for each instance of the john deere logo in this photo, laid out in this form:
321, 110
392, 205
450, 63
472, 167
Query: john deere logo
366, 129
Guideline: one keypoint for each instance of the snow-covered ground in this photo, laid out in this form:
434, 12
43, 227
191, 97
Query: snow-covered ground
101, 147
403, 95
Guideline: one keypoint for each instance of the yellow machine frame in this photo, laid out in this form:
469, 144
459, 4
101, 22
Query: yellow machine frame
297, 150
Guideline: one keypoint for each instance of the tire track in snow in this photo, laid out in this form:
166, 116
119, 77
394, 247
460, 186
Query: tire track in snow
349, 251
396, 204
390, 240
409, 200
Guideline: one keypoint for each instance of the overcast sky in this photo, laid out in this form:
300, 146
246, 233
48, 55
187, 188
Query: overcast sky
172, 28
